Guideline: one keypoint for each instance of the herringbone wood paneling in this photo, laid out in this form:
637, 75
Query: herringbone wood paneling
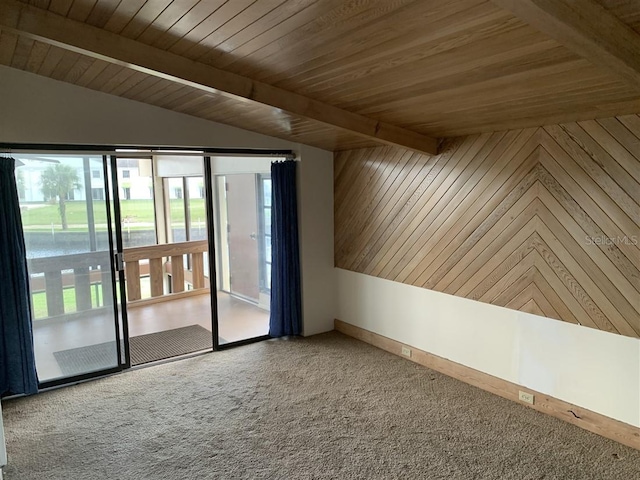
543, 220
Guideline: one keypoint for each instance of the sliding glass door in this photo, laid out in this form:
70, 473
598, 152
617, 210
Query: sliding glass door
121, 258
244, 257
166, 252
64, 201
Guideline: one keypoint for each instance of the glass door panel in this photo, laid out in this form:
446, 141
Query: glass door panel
69, 257
167, 282
136, 200
197, 216
175, 208
265, 235
244, 258
118, 241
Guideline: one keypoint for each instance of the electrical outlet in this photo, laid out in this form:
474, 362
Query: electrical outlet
406, 351
525, 397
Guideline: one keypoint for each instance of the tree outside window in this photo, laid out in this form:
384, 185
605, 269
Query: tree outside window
58, 182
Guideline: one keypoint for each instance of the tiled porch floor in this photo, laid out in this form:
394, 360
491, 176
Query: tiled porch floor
237, 320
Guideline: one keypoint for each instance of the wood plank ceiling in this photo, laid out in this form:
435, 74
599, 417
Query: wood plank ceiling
437, 68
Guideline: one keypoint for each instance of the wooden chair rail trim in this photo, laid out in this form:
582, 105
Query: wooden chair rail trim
594, 422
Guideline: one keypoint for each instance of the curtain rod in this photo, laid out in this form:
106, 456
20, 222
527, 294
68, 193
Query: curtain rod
145, 151
141, 155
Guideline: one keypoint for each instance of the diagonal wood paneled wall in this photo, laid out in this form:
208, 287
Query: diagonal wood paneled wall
544, 220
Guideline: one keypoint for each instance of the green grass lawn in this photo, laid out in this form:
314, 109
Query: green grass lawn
69, 295
133, 211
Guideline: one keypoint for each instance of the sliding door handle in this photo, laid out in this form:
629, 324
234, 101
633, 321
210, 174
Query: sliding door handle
119, 261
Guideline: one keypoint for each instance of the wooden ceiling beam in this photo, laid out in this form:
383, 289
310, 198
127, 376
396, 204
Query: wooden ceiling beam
69, 34
587, 29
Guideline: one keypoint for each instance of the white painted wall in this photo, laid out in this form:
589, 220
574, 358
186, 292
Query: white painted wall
41, 110
316, 239
178, 166
231, 165
48, 111
586, 367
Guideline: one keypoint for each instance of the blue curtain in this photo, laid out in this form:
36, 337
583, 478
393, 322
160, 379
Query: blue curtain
17, 361
286, 304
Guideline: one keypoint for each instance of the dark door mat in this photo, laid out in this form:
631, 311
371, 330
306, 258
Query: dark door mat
170, 343
144, 349
92, 358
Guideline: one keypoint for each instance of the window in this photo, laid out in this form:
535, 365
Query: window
265, 231
197, 218
20, 182
137, 207
95, 173
126, 174
175, 209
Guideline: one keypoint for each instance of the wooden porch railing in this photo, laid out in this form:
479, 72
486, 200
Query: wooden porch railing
83, 270
79, 270
157, 269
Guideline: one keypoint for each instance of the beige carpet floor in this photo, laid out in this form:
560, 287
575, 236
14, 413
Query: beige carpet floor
323, 407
